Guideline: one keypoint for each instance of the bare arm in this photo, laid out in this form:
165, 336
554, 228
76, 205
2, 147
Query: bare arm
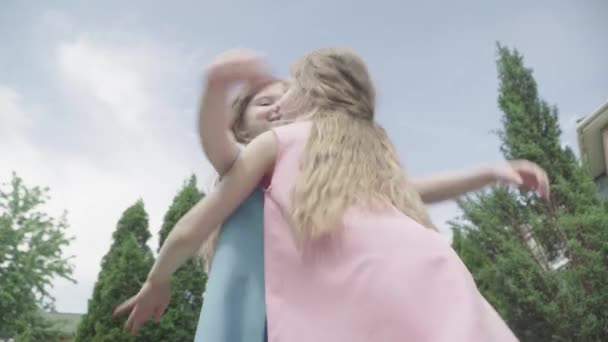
521, 173
213, 126
194, 227
450, 185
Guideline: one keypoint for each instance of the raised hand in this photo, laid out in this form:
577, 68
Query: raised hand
239, 65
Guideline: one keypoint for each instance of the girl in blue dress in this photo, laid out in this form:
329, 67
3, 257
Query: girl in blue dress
234, 308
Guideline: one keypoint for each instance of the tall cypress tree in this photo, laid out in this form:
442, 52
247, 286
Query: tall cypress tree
540, 303
188, 284
577, 222
531, 131
504, 266
123, 269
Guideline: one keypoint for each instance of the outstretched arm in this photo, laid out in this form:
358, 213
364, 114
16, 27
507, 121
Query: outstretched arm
451, 185
196, 225
194, 228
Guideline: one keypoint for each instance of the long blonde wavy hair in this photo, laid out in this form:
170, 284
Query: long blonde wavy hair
348, 161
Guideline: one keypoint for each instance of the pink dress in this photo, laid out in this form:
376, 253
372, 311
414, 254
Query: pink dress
384, 277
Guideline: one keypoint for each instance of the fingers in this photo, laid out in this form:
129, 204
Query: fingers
236, 53
516, 178
129, 324
136, 320
125, 306
534, 176
544, 188
240, 65
541, 181
158, 312
261, 80
140, 315
511, 177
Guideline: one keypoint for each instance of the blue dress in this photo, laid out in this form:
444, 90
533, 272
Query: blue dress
234, 308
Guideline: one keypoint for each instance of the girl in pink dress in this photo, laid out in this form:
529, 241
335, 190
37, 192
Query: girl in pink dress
350, 253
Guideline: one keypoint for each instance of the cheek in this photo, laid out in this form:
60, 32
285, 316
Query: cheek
253, 117
256, 120
258, 114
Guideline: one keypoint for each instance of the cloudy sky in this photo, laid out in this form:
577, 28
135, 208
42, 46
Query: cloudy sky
98, 99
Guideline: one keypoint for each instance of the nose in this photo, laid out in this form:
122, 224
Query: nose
275, 113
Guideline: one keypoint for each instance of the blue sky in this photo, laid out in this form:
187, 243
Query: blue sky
98, 99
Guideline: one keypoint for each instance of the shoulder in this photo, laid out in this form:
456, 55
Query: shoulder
293, 128
263, 148
288, 134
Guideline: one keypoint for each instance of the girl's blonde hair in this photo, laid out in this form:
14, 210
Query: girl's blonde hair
348, 159
239, 106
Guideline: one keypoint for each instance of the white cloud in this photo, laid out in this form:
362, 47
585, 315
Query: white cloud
128, 87
111, 76
92, 197
130, 80
13, 119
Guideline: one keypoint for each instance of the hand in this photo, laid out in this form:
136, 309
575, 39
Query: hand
151, 300
524, 174
239, 65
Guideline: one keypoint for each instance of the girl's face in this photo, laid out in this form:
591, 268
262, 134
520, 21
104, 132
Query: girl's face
263, 110
290, 105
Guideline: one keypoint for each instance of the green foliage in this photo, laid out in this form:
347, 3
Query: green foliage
493, 247
180, 320
36, 328
31, 256
123, 271
511, 241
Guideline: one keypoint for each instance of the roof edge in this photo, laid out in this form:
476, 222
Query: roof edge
589, 118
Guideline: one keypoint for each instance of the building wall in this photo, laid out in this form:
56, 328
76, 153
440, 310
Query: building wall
602, 181
602, 186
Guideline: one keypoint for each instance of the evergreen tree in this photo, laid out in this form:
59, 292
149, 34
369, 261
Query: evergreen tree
123, 270
503, 265
31, 255
576, 223
511, 240
531, 131
188, 284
